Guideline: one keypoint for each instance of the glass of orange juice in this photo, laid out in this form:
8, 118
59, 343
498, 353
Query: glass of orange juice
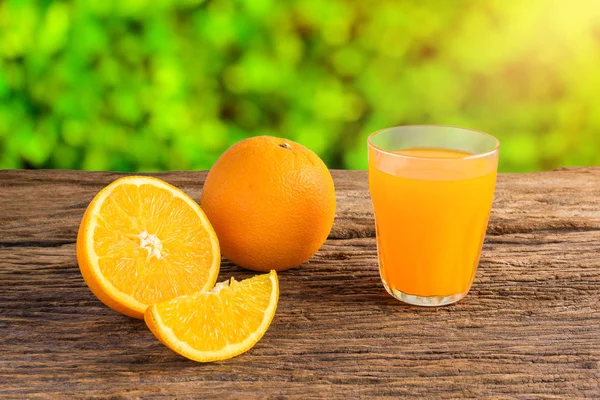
432, 189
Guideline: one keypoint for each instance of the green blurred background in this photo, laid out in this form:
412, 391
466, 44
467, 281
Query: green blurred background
148, 85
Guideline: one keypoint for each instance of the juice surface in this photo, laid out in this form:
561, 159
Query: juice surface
431, 216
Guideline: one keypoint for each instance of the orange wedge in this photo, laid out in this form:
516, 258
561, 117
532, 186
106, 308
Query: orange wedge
143, 241
220, 324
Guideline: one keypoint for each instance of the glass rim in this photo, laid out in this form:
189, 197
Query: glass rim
469, 157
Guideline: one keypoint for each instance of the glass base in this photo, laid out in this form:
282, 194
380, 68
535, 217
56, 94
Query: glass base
423, 301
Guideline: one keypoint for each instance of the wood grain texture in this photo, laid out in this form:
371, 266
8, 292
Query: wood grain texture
530, 327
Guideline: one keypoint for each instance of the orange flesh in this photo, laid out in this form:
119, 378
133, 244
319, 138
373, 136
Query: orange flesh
177, 261
431, 218
210, 321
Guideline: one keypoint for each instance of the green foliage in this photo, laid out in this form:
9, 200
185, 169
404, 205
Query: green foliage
170, 84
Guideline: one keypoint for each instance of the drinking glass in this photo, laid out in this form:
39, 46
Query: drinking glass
432, 189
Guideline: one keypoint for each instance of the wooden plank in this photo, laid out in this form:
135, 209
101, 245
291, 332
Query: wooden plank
529, 327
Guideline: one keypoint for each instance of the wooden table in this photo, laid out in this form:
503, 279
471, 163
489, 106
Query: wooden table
530, 327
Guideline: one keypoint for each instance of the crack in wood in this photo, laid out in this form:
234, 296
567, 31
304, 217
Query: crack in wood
37, 243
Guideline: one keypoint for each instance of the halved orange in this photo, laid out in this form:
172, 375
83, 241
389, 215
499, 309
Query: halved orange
143, 241
220, 324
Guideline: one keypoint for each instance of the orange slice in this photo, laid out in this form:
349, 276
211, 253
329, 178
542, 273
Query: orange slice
143, 241
220, 324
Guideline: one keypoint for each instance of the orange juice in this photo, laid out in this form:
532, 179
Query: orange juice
431, 208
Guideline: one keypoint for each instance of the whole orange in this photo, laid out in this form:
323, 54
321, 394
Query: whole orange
271, 202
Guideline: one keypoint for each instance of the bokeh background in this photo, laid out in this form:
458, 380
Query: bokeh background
147, 85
